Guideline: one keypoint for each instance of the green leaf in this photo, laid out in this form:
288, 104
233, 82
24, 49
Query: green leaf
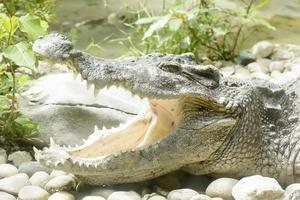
262, 4
175, 24
33, 26
10, 24
21, 54
157, 26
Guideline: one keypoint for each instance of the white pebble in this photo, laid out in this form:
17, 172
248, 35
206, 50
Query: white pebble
60, 183
257, 187
7, 170
201, 197
182, 194
153, 196
292, 192
93, 198
61, 196
262, 49
33, 193
221, 187
14, 184
6, 196
122, 195
276, 66
56, 173
39, 178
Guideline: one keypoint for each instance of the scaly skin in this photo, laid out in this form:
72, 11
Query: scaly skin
224, 126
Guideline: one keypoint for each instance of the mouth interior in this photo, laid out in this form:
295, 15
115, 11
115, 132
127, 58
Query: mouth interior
156, 119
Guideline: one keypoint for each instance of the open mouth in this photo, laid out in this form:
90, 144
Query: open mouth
156, 119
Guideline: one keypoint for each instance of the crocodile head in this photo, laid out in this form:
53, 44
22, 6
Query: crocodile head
187, 113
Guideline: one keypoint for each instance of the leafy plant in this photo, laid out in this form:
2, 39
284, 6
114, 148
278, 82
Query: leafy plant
201, 28
21, 22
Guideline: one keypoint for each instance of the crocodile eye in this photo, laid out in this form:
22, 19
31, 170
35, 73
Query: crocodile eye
172, 67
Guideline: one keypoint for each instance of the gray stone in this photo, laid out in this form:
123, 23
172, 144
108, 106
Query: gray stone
61, 196
201, 197
245, 58
33, 193
93, 198
3, 156
31, 167
262, 49
39, 178
70, 123
292, 192
221, 187
153, 196
6, 196
14, 184
122, 195
7, 170
182, 194
257, 187
19, 157
276, 66
60, 183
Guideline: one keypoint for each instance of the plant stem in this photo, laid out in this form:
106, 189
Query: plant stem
239, 31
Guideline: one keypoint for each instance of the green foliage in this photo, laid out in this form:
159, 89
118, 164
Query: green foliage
200, 27
21, 22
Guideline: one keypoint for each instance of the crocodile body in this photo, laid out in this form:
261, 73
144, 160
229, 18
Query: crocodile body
192, 119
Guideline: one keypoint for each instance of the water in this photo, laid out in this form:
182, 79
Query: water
284, 15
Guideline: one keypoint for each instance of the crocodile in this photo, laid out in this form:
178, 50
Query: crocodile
191, 118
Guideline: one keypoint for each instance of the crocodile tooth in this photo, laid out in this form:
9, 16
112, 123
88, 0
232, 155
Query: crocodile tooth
95, 165
96, 90
75, 75
96, 128
104, 128
88, 85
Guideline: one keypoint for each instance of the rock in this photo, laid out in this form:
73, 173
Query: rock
227, 71
3, 156
39, 179
276, 66
14, 184
33, 193
241, 72
245, 58
264, 64
254, 67
153, 196
257, 187
7, 170
292, 192
71, 123
93, 198
121, 195
103, 192
221, 187
201, 197
61, 196
31, 167
19, 157
260, 75
262, 49
6, 196
61, 183
182, 194
275, 74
